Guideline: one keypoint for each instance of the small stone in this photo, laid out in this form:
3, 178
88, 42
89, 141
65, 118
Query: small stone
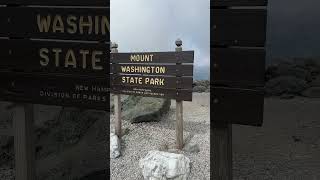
114, 146
158, 165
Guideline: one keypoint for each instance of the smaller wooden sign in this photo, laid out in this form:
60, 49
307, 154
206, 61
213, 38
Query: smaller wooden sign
240, 67
178, 94
153, 81
237, 106
238, 27
155, 69
153, 57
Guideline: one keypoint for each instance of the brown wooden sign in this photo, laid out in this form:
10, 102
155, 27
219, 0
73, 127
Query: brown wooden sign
153, 57
238, 27
238, 36
238, 3
153, 74
153, 81
238, 67
55, 57
178, 94
89, 24
155, 69
237, 106
86, 92
57, 2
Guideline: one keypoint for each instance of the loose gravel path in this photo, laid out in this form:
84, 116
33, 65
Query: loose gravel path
143, 137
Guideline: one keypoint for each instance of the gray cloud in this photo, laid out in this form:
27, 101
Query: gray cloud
154, 25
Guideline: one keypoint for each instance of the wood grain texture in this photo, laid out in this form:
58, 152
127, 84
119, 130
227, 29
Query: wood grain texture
117, 114
237, 106
24, 140
179, 124
221, 155
238, 27
238, 67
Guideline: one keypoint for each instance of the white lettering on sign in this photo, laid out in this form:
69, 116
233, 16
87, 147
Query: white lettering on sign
143, 69
72, 24
143, 80
71, 58
141, 57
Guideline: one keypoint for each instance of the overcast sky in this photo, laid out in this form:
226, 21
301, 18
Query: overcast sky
154, 25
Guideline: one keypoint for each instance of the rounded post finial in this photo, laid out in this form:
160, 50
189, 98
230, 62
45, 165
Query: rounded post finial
179, 42
114, 45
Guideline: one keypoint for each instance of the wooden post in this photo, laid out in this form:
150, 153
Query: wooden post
117, 102
179, 109
222, 152
23, 120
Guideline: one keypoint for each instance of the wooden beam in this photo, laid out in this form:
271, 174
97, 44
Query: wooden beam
24, 142
222, 152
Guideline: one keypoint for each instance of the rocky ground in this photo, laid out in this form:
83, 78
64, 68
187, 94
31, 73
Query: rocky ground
290, 77
286, 147
143, 137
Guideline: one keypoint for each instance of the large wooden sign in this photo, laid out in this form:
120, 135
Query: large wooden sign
55, 52
153, 74
238, 35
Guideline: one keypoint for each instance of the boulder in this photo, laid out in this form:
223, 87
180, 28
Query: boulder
114, 146
199, 89
288, 69
158, 165
312, 92
285, 85
145, 109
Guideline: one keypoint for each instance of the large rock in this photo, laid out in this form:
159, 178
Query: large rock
114, 146
285, 85
291, 69
312, 92
158, 165
145, 109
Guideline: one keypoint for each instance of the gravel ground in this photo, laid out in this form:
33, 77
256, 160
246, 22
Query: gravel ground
286, 147
143, 137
